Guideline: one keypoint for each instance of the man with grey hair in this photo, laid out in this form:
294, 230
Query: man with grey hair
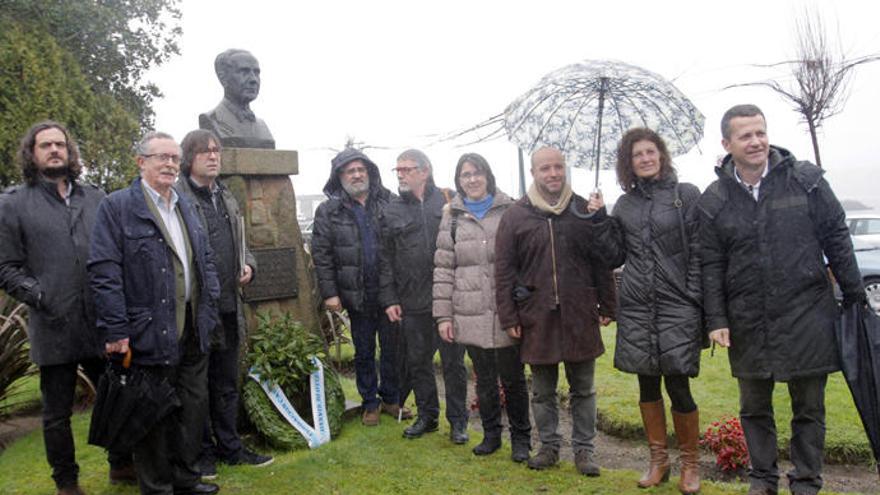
409, 226
232, 120
766, 224
156, 290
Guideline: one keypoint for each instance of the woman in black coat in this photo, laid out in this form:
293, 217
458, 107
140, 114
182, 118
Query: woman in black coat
659, 334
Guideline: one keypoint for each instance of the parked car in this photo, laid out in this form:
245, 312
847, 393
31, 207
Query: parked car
865, 227
868, 258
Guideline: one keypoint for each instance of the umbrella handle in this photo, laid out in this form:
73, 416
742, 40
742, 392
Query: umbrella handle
126, 361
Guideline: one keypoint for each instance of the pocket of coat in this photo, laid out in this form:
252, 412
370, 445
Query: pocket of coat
138, 321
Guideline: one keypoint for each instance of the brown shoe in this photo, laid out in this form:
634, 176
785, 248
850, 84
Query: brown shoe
654, 420
545, 458
396, 412
370, 417
585, 464
73, 489
687, 429
123, 476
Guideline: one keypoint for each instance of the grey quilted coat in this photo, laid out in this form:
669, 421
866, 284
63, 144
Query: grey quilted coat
464, 274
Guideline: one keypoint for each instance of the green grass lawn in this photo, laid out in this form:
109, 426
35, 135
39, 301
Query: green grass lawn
361, 460
716, 394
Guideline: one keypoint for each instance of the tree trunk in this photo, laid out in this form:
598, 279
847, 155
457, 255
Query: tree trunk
815, 139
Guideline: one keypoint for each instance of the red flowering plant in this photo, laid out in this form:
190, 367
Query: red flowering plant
726, 439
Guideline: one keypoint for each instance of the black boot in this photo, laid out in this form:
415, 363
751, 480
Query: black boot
490, 444
420, 427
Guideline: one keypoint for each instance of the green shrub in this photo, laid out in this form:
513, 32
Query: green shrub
14, 362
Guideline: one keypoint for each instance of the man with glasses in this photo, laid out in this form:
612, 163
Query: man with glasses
409, 228
156, 289
345, 250
221, 218
45, 225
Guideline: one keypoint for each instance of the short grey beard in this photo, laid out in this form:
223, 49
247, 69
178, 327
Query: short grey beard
356, 190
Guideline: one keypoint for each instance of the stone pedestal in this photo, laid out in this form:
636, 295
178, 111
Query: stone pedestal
259, 179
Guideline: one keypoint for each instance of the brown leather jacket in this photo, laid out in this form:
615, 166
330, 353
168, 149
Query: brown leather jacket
557, 259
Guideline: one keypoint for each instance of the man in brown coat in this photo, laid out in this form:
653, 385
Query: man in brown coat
553, 289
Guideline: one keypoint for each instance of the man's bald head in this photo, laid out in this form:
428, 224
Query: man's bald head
546, 153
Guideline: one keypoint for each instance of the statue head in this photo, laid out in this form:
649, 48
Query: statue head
239, 73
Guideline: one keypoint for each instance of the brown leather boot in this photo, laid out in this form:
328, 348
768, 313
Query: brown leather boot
687, 429
654, 420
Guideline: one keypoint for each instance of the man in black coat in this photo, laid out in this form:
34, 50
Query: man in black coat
765, 225
409, 227
45, 226
345, 250
221, 218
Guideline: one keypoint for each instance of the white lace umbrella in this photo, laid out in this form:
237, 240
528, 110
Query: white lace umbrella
584, 109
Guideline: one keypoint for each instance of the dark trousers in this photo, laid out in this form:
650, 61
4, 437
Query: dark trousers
370, 385
677, 386
807, 432
504, 363
422, 341
58, 391
167, 457
220, 438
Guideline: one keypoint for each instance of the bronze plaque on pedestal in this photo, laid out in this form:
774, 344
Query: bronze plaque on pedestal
276, 275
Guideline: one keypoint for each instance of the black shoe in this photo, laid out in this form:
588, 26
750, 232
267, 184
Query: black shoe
123, 476
420, 427
250, 458
459, 434
545, 458
207, 467
488, 445
520, 451
585, 463
198, 489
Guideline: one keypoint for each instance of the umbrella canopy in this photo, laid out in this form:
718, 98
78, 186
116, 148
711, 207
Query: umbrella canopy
584, 109
858, 338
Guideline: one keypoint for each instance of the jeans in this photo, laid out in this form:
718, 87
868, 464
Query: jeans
58, 391
582, 404
166, 459
364, 327
504, 363
220, 438
422, 341
807, 432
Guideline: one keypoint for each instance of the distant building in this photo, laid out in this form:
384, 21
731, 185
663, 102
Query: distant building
306, 205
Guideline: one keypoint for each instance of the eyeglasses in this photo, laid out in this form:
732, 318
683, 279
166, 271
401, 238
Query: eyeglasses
403, 170
209, 150
164, 157
472, 175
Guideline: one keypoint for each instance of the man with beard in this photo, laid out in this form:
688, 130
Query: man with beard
152, 272
221, 218
345, 250
409, 227
45, 226
232, 120
553, 289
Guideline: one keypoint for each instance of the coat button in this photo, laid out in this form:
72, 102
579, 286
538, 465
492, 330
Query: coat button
164, 332
163, 301
163, 270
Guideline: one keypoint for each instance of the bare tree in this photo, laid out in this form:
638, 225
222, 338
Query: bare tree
821, 75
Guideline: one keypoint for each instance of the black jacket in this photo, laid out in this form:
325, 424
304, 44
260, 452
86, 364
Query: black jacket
44, 247
409, 238
659, 330
764, 276
337, 251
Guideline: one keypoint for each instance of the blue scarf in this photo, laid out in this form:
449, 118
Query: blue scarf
479, 208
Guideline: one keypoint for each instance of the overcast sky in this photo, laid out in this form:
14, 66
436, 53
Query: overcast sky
392, 74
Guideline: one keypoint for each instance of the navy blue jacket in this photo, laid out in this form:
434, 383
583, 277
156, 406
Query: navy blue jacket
131, 270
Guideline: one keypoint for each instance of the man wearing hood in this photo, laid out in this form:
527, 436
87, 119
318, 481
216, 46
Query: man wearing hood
765, 225
410, 225
345, 250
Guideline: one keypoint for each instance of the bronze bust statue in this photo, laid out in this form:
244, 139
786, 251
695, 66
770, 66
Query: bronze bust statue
232, 120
